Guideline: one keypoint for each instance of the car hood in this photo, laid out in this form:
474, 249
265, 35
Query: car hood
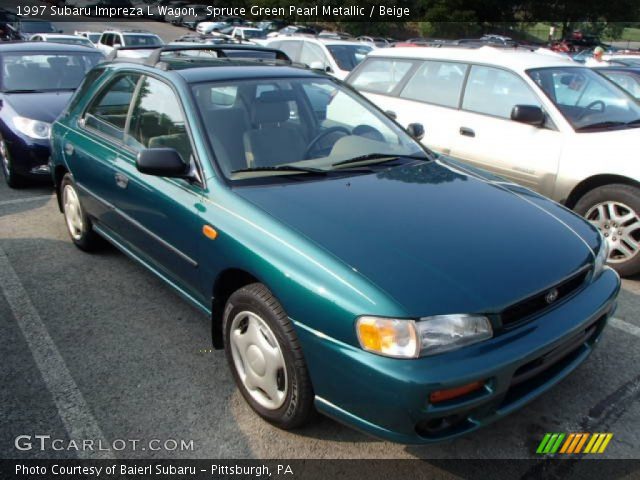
434, 238
44, 106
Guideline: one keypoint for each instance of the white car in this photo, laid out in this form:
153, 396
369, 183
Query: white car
111, 39
93, 37
539, 120
249, 34
336, 57
65, 39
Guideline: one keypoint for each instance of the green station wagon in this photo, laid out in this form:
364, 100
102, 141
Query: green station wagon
345, 268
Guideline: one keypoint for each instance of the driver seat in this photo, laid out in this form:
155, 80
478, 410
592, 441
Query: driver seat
273, 140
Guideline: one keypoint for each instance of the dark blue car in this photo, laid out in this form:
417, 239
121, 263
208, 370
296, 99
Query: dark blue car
36, 82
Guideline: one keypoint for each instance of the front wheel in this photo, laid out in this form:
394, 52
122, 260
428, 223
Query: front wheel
13, 179
615, 210
266, 359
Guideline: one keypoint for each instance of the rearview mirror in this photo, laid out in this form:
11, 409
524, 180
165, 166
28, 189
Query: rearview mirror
529, 114
416, 130
162, 162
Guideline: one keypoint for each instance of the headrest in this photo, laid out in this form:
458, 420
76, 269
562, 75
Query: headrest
272, 107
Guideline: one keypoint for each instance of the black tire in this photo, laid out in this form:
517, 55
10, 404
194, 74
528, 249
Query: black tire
621, 194
11, 177
86, 238
297, 408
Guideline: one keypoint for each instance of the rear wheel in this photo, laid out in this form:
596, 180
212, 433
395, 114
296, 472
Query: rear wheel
13, 179
615, 210
266, 359
78, 223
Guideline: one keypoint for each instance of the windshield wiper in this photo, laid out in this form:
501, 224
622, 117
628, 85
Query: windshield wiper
607, 124
376, 158
24, 90
282, 168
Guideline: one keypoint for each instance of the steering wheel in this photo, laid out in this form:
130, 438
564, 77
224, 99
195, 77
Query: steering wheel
321, 136
589, 108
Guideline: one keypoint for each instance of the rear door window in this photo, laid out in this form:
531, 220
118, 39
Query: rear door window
439, 83
381, 75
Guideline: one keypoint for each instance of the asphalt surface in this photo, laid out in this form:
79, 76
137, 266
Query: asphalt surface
94, 346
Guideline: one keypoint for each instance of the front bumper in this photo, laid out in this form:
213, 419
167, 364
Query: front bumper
30, 158
388, 398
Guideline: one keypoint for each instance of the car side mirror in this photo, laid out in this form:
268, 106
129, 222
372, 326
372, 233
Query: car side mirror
391, 114
416, 130
317, 65
162, 162
529, 114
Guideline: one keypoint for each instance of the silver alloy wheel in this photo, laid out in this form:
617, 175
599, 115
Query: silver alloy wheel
258, 360
620, 225
72, 212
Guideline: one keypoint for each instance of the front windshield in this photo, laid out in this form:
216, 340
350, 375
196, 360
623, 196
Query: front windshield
630, 81
348, 56
255, 34
295, 123
587, 99
72, 41
45, 71
36, 27
142, 40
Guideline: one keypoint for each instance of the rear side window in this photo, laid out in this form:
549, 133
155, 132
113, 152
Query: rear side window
157, 120
381, 75
439, 83
291, 48
108, 112
494, 91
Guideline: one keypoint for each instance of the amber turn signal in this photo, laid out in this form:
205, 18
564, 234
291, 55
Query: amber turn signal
444, 395
209, 232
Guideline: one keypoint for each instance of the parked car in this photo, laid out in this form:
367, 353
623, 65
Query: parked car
377, 42
36, 83
220, 24
94, 37
27, 28
536, 119
627, 78
336, 57
201, 14
111, 39
291, 30
65, 39
623, 60
311, 239
249, 34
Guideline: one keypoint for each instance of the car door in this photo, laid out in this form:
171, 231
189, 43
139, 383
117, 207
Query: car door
487, 137
164, 224
431, 96
95, 145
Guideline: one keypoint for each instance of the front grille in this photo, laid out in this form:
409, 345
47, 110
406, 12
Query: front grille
538, 303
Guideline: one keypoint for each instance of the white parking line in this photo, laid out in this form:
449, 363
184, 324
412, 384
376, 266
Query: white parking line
625, 326
72, 408
25, 200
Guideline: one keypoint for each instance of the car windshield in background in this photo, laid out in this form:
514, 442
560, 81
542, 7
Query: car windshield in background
25, 72
588, 101
95, 37
348, 56
83, 42
36, 27
142, 40
255, 34
296, 126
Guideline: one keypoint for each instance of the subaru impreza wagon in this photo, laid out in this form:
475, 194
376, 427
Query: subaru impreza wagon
344, 268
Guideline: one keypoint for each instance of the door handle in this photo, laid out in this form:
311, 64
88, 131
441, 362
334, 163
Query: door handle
467, 132
121, 180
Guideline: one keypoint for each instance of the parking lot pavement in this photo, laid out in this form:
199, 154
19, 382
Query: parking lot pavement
95, 346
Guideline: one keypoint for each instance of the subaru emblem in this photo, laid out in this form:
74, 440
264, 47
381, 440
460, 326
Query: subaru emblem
552, 295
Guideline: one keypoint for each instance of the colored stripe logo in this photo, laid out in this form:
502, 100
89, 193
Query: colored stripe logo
574, 443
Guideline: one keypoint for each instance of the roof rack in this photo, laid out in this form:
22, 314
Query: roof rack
154, 58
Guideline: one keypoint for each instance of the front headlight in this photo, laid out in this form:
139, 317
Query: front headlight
601, 257
430, 335
32, 128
